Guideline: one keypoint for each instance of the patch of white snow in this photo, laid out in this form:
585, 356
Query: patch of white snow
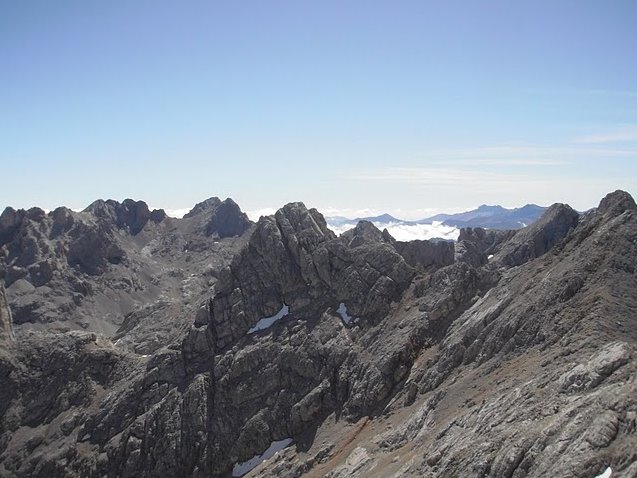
241, 469
267, 322
342, 310
607, 473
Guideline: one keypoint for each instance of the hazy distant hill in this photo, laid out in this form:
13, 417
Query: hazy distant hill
491, 217
382, 219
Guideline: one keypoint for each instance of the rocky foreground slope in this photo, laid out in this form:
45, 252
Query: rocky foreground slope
507, 354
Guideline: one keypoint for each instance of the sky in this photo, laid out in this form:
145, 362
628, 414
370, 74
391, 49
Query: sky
353, 107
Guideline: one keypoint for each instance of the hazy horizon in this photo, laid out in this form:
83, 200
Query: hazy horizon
411, 108
349, 213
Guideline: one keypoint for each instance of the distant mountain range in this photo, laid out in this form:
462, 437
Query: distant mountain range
491, 217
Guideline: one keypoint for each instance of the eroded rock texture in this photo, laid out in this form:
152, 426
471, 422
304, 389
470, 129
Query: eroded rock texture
512, 354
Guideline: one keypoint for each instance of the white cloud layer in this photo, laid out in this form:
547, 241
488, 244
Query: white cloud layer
178, 213
410, 232
255, 214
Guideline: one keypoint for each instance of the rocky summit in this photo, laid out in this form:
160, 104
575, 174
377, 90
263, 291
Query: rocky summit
133, 344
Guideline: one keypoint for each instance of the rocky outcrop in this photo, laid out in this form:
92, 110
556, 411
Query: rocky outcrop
92, 249
537, 239
6, 321
475, 246
88, 270
9, 222
426, 254
366, 233
228, 220
616, 203
531, 379
220, 219
209, 204
522, 365
293, 258
600, 366
418, 253
130, 215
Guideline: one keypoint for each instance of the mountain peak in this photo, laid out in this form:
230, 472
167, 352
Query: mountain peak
227, 219
129, 214
616, 203
208, 204
383, 218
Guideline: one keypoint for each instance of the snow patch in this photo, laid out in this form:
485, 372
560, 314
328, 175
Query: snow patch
267, 322
342, 310
241, 469
607, 474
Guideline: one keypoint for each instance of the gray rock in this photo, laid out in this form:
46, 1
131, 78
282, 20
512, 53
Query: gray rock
6, 320
600, 366
519, 367
538, 238
209, 204
130, 215
616, 203
228, 220
426, 254
365, 233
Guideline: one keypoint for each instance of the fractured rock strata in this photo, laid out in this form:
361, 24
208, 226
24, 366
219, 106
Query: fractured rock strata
459, 364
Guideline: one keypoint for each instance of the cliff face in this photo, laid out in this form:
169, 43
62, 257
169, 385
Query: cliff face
514, 357
6, 320
115, 266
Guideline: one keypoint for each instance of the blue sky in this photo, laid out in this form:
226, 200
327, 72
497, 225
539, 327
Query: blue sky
410, 107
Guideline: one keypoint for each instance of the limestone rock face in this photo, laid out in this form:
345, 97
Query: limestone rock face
364, 233
130, 214
91, 249
539, 237
209, 204
6, 321
521, 364
293, 258
599, 367
228, 220
616, 203
89, 270
218, 218
426, 253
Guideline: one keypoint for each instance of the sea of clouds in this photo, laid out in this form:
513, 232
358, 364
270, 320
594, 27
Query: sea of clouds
402, 231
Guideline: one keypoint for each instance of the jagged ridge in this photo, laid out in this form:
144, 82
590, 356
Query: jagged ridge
515, 365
